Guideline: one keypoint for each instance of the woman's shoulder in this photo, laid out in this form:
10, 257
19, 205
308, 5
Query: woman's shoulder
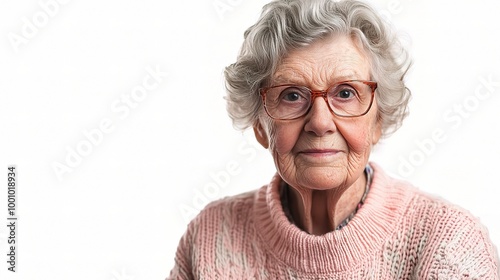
444, 238
454, 239
427, 214
426, 207
418, 201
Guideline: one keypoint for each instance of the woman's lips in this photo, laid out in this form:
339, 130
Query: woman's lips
320, 152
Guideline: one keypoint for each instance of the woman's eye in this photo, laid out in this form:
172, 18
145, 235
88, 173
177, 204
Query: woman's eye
346, 93
292, 95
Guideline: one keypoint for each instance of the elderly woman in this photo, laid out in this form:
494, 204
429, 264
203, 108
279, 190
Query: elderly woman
321, 82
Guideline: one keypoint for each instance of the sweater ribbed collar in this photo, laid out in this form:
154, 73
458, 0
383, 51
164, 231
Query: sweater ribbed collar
338, 250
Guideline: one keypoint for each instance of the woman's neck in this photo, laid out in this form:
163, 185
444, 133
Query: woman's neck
320, 211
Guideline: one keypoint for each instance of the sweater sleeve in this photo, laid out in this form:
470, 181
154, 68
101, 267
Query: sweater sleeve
183, 262
463, 250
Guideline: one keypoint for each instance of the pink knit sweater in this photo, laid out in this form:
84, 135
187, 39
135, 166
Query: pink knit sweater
399, 233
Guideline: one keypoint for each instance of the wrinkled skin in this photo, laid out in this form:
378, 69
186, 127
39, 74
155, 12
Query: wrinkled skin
322, 156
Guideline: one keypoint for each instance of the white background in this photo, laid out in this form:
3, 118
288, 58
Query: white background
121, 210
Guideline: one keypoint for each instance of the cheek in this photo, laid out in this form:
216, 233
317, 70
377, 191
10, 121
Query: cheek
284, 137
358, 136
359, 132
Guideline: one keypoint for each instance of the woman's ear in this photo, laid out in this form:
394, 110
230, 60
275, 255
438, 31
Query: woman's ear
261, 134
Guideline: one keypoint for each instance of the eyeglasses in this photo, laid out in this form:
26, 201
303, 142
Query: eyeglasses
351, 98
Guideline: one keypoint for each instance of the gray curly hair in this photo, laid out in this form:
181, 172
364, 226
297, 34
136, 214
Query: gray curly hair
285, 25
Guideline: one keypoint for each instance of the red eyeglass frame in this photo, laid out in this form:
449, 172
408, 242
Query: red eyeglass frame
323, 93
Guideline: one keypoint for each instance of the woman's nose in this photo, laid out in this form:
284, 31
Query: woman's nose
319, 120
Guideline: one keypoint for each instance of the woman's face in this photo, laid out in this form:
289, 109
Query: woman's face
320, 150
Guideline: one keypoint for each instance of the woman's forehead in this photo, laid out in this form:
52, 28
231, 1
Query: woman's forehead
325, 61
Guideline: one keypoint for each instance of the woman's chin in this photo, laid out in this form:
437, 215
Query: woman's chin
321, 178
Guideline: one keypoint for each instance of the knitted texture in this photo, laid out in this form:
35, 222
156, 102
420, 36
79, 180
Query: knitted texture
399, 233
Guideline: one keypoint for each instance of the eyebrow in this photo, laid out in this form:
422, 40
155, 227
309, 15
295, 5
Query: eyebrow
286, 79
283, 79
